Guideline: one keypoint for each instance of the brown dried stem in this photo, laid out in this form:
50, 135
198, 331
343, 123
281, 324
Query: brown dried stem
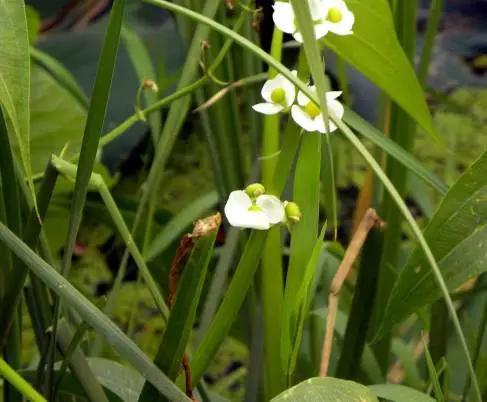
369, 220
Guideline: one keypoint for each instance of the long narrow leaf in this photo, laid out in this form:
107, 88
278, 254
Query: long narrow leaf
92, 315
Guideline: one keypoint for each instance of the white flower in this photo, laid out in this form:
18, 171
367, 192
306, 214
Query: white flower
285, 19
242, 212
279, 94
307, 115
336, 18
327, 15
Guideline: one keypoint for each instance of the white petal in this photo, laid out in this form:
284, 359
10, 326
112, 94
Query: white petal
299, 38
303, 100
268, 108
320, 125
238, 203
321, 30
302, 119
289, 91
251, 220
283, 17
268, 88
272, 207
336, 108
315, 7
330, 95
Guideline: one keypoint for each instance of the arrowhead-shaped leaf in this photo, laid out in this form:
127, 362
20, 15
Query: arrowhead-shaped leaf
327, 390
457, 235
374, 50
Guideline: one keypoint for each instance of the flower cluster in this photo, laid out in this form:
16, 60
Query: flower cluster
328, 16
280, 95
253, 209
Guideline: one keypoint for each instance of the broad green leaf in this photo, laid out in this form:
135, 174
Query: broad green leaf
327, 390
33, 23
57, 119
15, 77
457, 235
399, 393
374, 50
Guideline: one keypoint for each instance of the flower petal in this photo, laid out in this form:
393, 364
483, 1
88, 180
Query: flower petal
238, 202
268, 108
283, 17
320, 125
302, 119
272, 207
268, 88
251, 220
336, 108
330, 95
321, 30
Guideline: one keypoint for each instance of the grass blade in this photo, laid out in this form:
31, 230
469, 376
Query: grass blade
176, 226
94, 126
73, 298
183, 311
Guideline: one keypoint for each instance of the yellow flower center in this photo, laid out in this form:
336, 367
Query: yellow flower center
255, 208
334, 15
278, 95
312, 110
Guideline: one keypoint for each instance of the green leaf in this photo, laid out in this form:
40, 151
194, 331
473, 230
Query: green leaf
399, 393
176, 226
231, 304
373, 134
15, 77
327, 390
33, 23
142, 63
183, 312
94, 126
92, 315
57, 119
61, 74
299, 311
374, 50
457, 235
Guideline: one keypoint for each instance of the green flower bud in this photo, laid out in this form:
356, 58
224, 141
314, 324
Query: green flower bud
293, 213
254, 190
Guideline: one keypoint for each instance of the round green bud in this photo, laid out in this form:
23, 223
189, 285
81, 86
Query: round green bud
334, 15
293, 213
255, 189
278, 95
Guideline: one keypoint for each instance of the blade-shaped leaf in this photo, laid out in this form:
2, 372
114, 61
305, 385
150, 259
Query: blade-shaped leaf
183, 312
457, 235
374, 50
327, 390
15, 77
92, 315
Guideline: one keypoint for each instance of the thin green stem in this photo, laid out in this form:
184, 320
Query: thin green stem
98, 183
19, 383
